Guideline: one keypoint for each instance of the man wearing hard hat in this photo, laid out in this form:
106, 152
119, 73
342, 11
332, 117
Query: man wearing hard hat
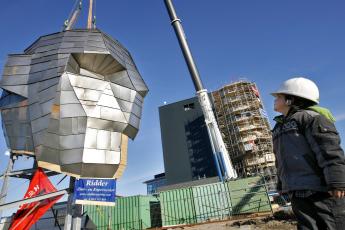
310, 162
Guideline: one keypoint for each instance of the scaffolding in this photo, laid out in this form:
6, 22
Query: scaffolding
245, 128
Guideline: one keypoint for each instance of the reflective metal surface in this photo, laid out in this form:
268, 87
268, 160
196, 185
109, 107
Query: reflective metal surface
72, 98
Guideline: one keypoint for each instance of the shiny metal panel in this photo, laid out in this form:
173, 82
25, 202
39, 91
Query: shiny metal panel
74, 169
72, 141
35, 111
21, 90
87, 73
48, 83
95, 156
71, 110
112, 114
75, 126
70, 156
65, 126
89, 94
51, 140
112, 157
130, 131
90, 103
100, 124
47, 106
15, 79
125, 105
53, 126
138, 82
65, 83
91, 138
103, 139
40, 124
50, 154
14, 70
86, 82
68, 97
134, 121
121, 78
38, 138
73, 64
108, 101
108, 91
36, 60
21, 59
136, 110
48, 93
123, 93
115, 141
92, 111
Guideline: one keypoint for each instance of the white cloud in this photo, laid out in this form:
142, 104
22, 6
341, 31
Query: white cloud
340, 117
7, 153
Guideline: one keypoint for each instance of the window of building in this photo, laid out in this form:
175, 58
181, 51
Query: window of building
188, 107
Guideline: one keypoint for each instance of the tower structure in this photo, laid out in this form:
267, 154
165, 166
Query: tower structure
245, 128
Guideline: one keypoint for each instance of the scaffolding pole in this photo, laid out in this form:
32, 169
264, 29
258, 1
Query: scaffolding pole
6, 177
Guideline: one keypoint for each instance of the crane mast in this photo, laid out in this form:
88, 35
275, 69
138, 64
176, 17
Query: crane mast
223, 163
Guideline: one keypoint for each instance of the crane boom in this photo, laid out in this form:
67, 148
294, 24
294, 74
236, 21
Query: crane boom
220, 153
89, 18
71, 21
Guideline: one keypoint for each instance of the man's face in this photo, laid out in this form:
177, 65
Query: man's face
77, 115
280, 103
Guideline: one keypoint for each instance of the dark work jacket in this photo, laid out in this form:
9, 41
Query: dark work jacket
308, 153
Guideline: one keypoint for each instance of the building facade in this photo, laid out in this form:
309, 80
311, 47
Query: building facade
244, 124
158, 182
186, 146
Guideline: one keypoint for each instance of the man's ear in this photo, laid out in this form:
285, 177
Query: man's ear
288, 102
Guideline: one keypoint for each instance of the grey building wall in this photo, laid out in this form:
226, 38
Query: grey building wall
186, 147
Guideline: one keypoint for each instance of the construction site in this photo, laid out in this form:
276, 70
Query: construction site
72, 104
244, 124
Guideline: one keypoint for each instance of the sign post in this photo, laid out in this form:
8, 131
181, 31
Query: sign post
95, 191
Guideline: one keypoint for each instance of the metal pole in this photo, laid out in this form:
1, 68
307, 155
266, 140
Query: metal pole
4, 188
33, 199
176, 23
74, 17
68, 218
216, 140
74, 211
78, 211
89, 19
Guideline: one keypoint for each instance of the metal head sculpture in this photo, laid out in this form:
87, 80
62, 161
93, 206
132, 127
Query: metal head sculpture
72, 99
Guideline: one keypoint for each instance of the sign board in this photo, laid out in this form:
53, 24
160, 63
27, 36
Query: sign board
95, 191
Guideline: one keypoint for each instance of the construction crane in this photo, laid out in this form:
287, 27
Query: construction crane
223, 163
91, 19
69, 23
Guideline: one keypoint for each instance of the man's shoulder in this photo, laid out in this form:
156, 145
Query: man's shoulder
305, 114
304, 117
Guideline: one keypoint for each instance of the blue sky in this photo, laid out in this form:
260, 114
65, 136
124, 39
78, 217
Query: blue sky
266, 41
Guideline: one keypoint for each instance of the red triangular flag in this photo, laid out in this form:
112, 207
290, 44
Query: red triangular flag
28, 214
256, 91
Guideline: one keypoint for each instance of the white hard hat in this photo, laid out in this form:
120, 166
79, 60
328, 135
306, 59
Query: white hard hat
300, 87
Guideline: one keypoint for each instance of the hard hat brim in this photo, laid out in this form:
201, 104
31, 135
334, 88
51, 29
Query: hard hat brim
274, 94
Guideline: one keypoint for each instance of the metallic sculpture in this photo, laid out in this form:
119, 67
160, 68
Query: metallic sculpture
72, 99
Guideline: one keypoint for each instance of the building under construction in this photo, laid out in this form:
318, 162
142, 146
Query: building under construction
243, 122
